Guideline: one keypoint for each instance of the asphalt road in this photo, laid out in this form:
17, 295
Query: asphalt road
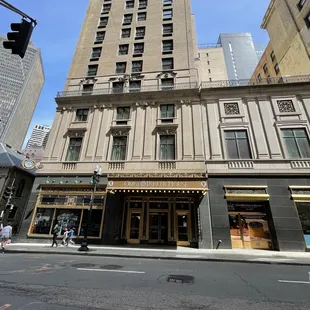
64, 282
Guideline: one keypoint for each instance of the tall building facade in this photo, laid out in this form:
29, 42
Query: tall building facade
39, 136
287, 23
241, 56
183, 163
211, 63
21, 82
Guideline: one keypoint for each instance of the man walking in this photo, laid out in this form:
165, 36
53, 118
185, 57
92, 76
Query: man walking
56, 232
6, 235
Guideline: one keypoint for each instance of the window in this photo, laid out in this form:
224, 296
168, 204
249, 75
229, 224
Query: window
119, 148
167, 46
120, 67
140, 32
141, 16
92, 70
106, 8
74, 149
126, 33
134, 86
12, 213
296, 142
87, 89
142, 4
273, 56
265, 68
96, 52
167, 84
167, 147
307, 20
167, 111
123, 49
103, 22
301, 4
167, 29
259, 77
127, 19
167, 14
100, 37
118, 87
20, 188
123, 113
137, 66
167, 63
130, 4
208, 62
276, 69
167, 2
210, 79
237, 144
138, 48
207, 54
209, 70
81, 115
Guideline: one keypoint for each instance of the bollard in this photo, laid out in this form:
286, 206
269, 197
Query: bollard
218, 244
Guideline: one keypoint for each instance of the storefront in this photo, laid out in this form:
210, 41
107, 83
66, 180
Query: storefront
249, 217
159, 211
69, 207
301, 197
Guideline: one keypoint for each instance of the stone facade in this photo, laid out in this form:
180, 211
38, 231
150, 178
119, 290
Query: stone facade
288, 29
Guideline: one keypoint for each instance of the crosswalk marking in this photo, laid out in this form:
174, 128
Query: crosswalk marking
5, 306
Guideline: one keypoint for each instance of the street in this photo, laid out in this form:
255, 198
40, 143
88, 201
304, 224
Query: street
75, 282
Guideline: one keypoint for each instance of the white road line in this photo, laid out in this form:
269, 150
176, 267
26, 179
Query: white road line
109, 270
297, 282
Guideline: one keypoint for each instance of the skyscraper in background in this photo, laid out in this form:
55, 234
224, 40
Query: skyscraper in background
21, 82
39, 136
241, 56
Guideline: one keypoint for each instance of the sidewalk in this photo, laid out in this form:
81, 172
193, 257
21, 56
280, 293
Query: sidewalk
179, 253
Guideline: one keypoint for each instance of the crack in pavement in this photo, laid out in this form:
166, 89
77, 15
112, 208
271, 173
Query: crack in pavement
254, 287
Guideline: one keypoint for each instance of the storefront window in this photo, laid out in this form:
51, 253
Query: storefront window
68, 218
42, 221
304, 216
94, 227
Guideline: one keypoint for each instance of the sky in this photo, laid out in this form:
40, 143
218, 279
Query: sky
60, 22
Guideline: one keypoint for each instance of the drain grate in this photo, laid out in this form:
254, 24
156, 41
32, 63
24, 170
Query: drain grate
83, 265
111, 267
180, 279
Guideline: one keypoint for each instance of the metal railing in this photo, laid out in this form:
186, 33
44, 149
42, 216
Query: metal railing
254, 82
176, 86
209, 45
122, 90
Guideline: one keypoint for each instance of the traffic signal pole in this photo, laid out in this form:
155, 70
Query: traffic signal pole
18, 40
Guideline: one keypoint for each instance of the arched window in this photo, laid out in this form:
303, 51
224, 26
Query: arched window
20, 188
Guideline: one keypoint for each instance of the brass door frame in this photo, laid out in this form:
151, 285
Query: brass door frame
189, 227
157, 211
134, 241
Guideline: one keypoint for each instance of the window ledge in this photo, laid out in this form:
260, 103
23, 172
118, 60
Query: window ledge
98, 42
139, 38
168, 18
94, 59
126, 24
137, 55
167, 34
167, 52
102, 26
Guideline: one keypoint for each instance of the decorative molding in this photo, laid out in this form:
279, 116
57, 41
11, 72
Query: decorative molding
119, 132
186, 101
237, 190
76, 132
167, 131
157, 175
231, 108
144, 104
166, 74
286, 106
88, 81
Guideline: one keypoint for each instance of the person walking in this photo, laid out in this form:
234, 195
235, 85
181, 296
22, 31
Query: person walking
65, 237
56, 232
5, 235
71, 235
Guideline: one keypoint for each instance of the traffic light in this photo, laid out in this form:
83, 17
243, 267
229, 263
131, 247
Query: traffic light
19, 39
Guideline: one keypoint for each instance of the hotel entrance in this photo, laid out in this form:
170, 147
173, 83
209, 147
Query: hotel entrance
158, 227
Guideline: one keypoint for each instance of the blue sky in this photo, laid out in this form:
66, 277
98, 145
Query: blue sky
60, 21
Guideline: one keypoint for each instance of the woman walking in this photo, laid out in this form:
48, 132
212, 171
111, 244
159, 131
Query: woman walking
56, 232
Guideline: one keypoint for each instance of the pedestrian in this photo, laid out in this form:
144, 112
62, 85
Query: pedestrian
71, 235
56, 232
6, 235
65, 237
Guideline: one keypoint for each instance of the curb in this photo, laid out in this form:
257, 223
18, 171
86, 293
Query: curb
201, 259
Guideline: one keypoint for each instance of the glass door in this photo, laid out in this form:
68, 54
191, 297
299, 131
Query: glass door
183, 228
134, 227
158, 227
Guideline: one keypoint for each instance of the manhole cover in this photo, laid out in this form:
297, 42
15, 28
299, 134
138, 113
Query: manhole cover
83, 265
111, 267
181, 279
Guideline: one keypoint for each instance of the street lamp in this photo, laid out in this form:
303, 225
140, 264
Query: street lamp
95, 182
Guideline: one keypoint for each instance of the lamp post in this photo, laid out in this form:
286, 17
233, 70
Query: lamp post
95, 182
